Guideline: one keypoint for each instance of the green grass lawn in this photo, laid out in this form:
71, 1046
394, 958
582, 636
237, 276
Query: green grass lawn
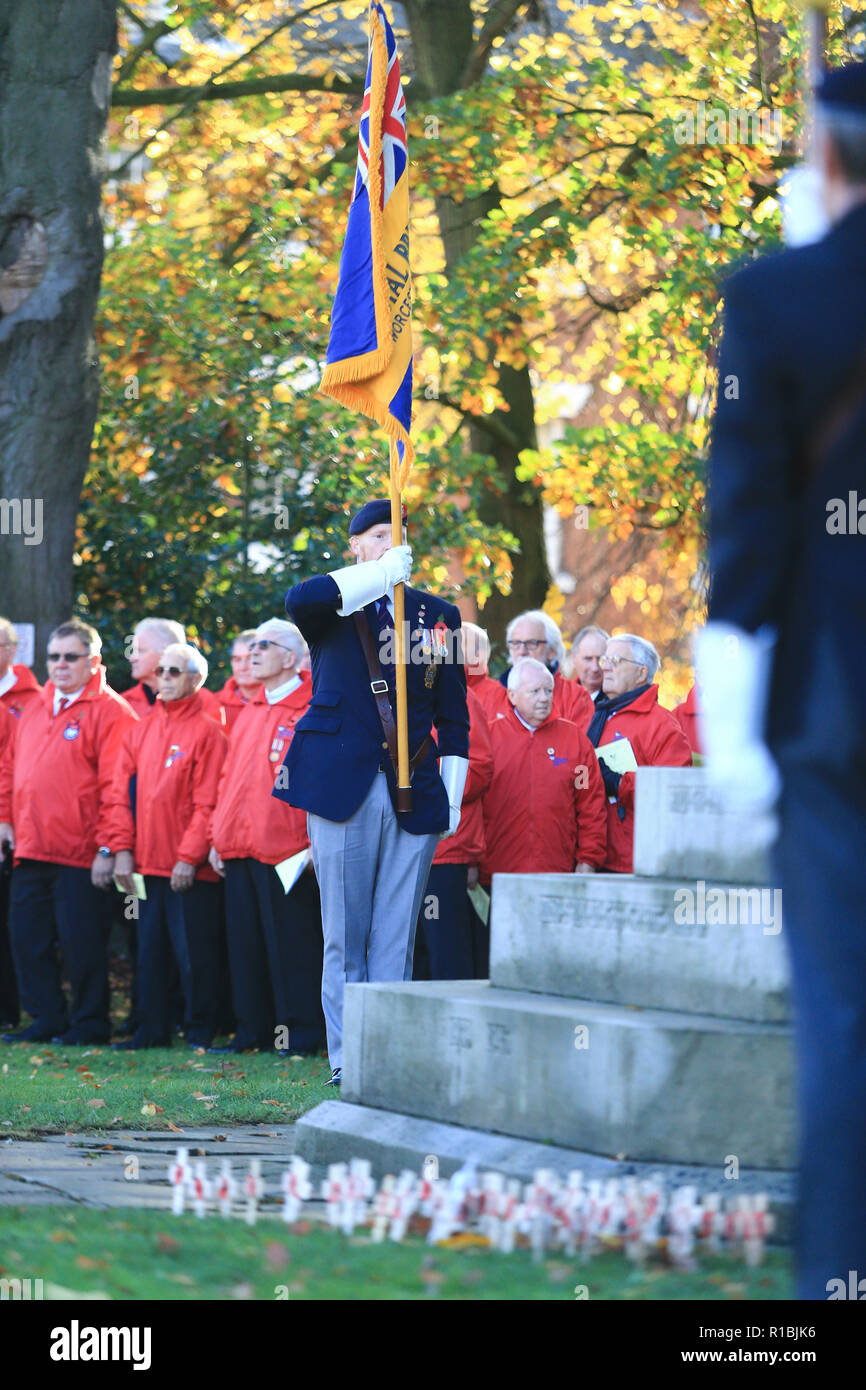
146, 1255
48, 1089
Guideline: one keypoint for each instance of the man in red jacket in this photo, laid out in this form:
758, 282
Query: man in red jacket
444, 937
476, 655
149, 640
18, 685
241, 686
275, 938
544, 809
535, 634
66, 748
175, 758
688, 716
628, 708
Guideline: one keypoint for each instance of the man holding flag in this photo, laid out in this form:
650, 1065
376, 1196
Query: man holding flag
376, 803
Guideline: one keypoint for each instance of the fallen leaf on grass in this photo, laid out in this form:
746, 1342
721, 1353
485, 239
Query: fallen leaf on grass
25, 1108
276, 1255
95, 1104
85, 1262
167, 1244
174, 1129
273, 1102
150, 1109
36, 1061
466, 1238
62, 1238
199, 1095
85, 1071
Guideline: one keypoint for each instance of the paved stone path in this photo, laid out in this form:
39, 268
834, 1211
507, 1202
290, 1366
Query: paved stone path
129, 1168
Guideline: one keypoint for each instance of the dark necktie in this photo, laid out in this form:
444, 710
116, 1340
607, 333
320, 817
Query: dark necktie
386, 638
62, 705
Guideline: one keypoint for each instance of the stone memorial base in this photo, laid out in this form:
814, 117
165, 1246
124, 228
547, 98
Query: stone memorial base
632, 1024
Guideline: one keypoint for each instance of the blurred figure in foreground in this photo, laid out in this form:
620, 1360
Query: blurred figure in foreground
787, 552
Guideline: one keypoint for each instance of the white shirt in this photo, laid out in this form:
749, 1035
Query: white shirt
273, 697
523, 721
70, 699
7, 681
594, 694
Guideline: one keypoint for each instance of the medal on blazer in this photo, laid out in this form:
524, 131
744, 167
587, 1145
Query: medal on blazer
277, 746
174, 752
72, 730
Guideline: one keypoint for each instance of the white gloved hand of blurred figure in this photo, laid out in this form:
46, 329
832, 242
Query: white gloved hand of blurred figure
733, 669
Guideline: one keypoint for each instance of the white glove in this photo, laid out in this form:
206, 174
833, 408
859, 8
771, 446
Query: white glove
453, 770
733, 673
371, 579
804, 217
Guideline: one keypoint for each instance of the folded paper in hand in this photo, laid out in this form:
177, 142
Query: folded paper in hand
619, 755
290, 870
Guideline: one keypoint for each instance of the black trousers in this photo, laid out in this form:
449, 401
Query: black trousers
10, 1009
444, 935
181, 928
51, 905
275, 956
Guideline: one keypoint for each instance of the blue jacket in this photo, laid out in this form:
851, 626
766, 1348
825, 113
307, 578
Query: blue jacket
795, 323
338, 745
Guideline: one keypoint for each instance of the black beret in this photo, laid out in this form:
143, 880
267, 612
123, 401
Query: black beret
843, 89
372, 514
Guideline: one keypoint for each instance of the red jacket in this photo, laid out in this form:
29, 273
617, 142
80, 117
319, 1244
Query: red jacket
176, 757
688, 716
657, 741
535, 819
487, 691
467, 845
233, 702
248, 822
570, 701
20, 695
138, 700
8, 727
64, 769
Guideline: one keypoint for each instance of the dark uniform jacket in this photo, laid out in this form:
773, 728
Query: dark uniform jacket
338, 747
794, 330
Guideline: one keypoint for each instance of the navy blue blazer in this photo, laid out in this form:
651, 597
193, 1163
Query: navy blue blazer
794, 325
338, 745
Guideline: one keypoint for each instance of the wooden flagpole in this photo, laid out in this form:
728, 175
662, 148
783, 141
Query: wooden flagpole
404, 791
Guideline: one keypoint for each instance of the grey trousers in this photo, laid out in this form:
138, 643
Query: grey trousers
372, 877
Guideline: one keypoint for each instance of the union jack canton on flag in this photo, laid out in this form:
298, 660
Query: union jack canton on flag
369, 359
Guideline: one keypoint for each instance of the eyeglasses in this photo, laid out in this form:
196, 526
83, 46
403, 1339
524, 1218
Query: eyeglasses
169, 671
67, 656
614, 661
262, 644
532, 645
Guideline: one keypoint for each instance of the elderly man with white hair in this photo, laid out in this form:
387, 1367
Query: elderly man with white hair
587, 649
150, 638
628, 712
275, 938
535, 634
18, 685
544, 809
175, 758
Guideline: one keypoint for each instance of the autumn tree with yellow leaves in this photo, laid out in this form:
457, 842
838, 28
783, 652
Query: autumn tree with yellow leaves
573, 212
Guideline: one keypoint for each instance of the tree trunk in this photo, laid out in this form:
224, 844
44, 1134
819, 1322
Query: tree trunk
442, 67
55, 85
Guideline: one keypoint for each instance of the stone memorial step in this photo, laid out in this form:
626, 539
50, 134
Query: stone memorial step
684, 830
337, 1130
694, 946
651, 1085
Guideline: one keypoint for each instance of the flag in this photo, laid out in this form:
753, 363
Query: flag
369, 360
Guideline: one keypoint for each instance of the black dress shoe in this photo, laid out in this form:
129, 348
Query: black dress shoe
234, 1046
135, 1044
31, 1034
336, 1077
